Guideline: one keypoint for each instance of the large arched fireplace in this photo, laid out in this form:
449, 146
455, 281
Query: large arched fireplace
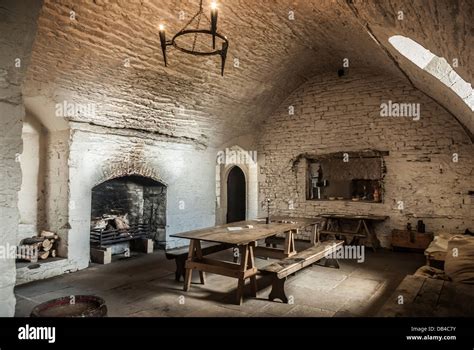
127, 214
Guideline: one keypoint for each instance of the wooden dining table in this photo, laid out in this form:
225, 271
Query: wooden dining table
243, 235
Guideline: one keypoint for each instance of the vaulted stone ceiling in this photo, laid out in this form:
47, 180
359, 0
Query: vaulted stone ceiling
84, 60
446, 28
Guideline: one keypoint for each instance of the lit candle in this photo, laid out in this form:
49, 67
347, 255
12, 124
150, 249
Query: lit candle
161, 29
213, 23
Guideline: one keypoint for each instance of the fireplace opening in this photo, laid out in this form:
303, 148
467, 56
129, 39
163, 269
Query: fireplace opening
125, 210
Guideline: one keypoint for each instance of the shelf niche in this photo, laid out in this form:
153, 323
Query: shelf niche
346, 176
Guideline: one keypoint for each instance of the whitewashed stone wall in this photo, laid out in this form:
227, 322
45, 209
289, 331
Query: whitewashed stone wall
91, 155
31, 194
11, 111
187, 172
334, 114
57, 187
17, 28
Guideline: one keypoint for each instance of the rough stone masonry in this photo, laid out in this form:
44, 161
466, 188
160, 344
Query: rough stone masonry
333, 114
16, 41
169, 123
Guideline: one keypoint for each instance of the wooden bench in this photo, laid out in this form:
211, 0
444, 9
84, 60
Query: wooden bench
418, 296
274, 241
280, 270
279, 240
180, 255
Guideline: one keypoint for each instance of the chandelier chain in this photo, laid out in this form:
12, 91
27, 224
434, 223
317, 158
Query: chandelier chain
198, 23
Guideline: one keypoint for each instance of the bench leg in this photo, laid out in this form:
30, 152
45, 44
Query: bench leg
202, 277
327, 262
278, 290
331, 263
181, 271
180, 268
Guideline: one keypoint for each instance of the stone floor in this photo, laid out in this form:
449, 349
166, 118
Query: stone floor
144, 285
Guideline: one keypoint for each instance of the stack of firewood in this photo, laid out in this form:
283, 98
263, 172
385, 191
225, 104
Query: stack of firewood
45, 244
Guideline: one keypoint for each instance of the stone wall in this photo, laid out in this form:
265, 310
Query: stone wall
92, 155
334, 114
56, 187
18, 26
31, 201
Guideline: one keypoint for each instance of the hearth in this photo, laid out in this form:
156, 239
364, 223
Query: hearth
102, 238
125, 213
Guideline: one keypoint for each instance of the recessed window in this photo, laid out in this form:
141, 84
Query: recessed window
436, 66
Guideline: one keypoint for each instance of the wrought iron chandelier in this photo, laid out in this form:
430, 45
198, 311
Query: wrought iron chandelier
187, 30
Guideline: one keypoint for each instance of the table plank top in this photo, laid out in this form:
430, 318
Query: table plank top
356, 217
247, 234
307, 221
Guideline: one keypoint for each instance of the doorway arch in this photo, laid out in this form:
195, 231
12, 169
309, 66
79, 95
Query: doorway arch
227, 159
236, 195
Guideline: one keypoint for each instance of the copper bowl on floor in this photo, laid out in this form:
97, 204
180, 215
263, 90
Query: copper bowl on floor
72, 306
